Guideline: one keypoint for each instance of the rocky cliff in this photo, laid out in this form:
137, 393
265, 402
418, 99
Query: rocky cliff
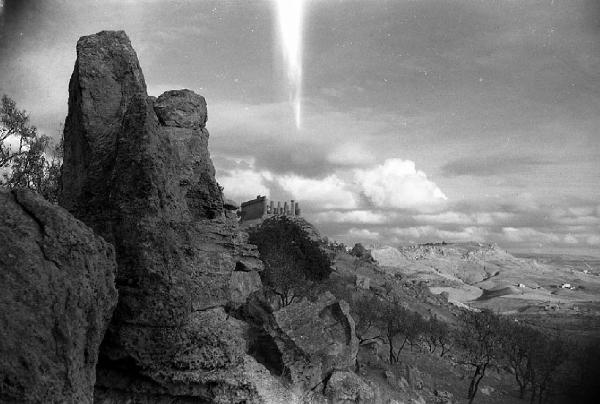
57, 295
137, 170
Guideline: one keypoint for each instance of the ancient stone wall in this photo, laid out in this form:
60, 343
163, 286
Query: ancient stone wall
260, 208
254, 209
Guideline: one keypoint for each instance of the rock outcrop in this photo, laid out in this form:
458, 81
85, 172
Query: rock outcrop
137, 170
57, 295
347, 388
305, 341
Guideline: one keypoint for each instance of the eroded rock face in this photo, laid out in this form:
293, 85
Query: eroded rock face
137, 170
305, 341
322, 331
57, 294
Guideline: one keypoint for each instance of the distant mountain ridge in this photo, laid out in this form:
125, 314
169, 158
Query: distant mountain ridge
485, 275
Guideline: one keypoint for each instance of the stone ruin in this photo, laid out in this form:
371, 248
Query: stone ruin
260, 208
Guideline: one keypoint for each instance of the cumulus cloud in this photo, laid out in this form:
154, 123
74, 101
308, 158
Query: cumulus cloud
352, 216
461, 218
395, 184
570, 239
351, 154
398, 184
329, 192
362, 234
492, 165
594, 240
434, 234
528, 234
242, 184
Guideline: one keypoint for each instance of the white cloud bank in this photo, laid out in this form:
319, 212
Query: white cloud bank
244, 184
330, 192
395, 184
398, 184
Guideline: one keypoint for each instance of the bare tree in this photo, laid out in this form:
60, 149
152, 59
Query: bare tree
517, 342
547, 355
479, 341
436, 335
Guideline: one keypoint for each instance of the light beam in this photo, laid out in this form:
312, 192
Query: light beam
290, 17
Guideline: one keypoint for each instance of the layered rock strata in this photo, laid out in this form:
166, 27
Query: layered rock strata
57, 295
137, 170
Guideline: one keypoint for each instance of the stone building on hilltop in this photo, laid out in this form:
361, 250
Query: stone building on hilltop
258, 209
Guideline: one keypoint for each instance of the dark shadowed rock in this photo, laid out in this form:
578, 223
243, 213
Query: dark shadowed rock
57, 295
139, 173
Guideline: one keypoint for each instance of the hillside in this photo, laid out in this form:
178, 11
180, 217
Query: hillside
485, 276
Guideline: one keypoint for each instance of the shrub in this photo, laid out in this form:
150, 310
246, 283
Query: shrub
292, 259
479, 342
23, 154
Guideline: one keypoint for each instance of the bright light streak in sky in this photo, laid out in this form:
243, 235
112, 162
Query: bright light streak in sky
290, 16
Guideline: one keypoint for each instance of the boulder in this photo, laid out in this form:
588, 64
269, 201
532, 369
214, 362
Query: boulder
57, 295
182, 109
443, 397
398, 383
361, 252
315, 338
138, 171
242, 284
362, 282
348, 388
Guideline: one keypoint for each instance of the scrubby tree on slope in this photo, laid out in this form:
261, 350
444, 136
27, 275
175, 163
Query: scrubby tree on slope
436, 335
548, 353
292, 260
517, 343
479, 342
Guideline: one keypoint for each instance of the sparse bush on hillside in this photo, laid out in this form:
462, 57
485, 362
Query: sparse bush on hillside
533, 356
24, 157
547, 355
436, 335
292, 260
517, 342
584, 386
479, 342
385, 320
359, 251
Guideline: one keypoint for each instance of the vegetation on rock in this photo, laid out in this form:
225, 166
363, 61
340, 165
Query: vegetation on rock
292, 258
28, 159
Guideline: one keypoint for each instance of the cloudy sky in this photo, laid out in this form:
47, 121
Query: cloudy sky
421, 120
